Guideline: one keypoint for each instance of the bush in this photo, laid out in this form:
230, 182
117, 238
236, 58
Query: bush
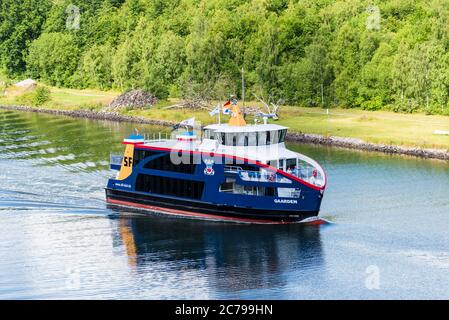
373, 104
53, 57
36, 98
40, 96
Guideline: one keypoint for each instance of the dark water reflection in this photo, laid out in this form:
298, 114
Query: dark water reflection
58, 238
232, 257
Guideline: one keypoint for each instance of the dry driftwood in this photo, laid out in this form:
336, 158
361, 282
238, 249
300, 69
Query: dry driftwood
133, 98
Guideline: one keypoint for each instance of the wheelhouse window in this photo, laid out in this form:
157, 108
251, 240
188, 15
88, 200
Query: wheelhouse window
282, 135
274, 137
252, 139
241, 137
259, 138
262, 138
209, 134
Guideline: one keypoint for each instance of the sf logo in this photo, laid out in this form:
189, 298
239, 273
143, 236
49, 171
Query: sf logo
128, 161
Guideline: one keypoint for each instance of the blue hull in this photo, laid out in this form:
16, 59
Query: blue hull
198, 189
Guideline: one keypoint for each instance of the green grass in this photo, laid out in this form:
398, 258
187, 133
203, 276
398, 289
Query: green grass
415, 130
63, 98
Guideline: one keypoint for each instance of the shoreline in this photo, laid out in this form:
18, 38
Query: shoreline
349, 143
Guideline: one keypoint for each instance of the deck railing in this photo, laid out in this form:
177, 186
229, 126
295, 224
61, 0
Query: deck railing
115, 159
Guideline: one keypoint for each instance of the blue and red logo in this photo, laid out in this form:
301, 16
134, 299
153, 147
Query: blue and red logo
209, 170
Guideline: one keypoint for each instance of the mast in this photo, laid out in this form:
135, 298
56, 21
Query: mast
243, 87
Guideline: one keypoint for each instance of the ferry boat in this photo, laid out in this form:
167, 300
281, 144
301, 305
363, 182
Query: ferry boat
229, 172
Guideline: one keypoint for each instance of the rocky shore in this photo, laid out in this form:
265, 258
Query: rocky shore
342, 142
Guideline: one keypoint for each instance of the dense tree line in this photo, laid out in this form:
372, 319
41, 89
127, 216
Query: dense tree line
351, 53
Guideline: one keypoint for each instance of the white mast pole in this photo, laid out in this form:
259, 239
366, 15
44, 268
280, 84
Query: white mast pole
243, 87
219, 113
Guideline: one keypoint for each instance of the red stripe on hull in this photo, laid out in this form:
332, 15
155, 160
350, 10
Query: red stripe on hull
192, 214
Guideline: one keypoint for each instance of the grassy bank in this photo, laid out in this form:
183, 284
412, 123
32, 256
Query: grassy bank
411, 130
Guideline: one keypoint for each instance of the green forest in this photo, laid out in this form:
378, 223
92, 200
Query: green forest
390, 55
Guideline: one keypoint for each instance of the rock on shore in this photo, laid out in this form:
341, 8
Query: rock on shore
358, 144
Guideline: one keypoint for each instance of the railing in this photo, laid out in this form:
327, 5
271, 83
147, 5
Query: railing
115, 159
156, 137
305, 173
263, 176
257, 176
232, 169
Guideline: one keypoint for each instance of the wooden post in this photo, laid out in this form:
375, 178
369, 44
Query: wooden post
322, 95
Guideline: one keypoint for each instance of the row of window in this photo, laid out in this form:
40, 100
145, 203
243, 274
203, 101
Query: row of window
194, 189
248, 138
170, 186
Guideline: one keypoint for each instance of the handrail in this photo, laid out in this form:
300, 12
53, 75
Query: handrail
115, 159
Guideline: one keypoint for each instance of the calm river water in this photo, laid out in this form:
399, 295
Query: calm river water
388, 235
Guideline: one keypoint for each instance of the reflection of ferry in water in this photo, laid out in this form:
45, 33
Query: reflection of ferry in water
233, 172
266, 258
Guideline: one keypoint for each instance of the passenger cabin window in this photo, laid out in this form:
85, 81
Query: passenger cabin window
273, 163
281, 164
170, 186
140, 155
230, 186
290, 166
165, 163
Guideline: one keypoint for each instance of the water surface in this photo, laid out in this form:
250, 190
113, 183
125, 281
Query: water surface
388, 236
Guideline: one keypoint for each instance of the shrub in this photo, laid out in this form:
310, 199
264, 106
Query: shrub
40, 96
37, 97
